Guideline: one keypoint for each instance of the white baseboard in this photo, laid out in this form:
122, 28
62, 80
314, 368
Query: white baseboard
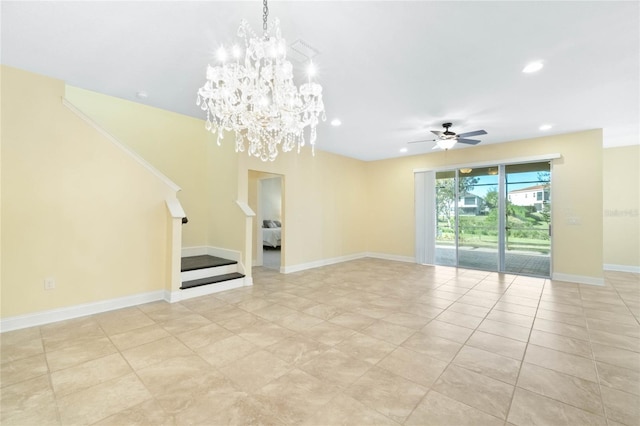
621, 268
61, 314
580, 279
190, 293
319, 263
394, 257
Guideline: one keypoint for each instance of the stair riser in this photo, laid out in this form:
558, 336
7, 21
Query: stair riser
208, 272
209, 289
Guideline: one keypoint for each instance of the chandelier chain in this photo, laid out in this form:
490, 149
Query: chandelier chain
265, 14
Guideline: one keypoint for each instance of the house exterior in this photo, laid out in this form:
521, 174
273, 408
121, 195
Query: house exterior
471, 204
532, 196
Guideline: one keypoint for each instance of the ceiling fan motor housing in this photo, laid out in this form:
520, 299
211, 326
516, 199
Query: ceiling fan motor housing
446, 131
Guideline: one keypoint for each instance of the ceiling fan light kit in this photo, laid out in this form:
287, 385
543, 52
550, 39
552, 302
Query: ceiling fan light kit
255, 97
447, 139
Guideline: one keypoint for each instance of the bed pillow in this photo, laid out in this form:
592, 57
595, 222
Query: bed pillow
278, 224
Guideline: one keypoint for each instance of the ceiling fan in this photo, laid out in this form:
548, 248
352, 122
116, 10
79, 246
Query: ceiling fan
447, 139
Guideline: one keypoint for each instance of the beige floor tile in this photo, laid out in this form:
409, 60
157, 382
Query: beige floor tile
497, 344
572, 319
627, 330
336, 368
155, 352
516, 300
223, 313
412, 366
530, 408
295, 395
265, 334
168, 312
619, 378
185, 323
477, 301
573, 365
435, 302
571, 390
78, 354
510, 318
432, 346
437, 410
298, 321
103, 400
9, 338
253, 304
408, 320
616, 356
383, 330
620, 406
241, 321
12, 351
561, 343
481, 392
387, 393
323, 311
23, 369
61, 337
488, 364
447, 331
562, 329
89, 374
226, 350
328, 333
204, 336
516, 309
467, 309
273, 312
147, 413
615, 340
606, 314
365, 348
510, 331
352, 320
174, 383
297, 349
123, 320
139, 336
256, 370
28, 402
574, 308
345, 410
462, 320
421, 309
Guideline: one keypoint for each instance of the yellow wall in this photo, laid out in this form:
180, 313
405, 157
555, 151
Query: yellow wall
576, 192
324, 204
75, 207
621, 205
175, 144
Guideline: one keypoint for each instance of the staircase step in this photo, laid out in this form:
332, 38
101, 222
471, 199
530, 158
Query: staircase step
211, 280
192, 263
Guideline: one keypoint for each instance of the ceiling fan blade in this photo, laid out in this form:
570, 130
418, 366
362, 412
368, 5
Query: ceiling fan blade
436, 147
437, 132
474, 133
469, 141
425, 140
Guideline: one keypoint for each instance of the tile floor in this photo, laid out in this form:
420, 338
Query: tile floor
367, 342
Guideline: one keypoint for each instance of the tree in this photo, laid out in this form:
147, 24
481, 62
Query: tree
446, 195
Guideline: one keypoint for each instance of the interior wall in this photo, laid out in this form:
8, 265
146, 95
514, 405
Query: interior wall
621, 198
271, 199
324, 204
576, 196
76, 208
175, 144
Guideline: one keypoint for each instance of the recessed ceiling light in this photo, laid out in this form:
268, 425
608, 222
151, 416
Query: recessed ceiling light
142, 95
533, 67
404, 149
336, 122
545, 127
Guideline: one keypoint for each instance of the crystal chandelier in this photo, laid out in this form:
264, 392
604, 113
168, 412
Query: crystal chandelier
255, 96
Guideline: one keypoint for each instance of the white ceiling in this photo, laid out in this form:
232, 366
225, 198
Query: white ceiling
390, 70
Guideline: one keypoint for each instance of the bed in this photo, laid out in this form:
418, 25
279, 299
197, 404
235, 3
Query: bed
271, 233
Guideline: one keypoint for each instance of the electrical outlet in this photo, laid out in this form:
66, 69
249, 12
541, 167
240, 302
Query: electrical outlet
49, 283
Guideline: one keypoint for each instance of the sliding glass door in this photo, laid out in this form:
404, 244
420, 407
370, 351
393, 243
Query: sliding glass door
495, 218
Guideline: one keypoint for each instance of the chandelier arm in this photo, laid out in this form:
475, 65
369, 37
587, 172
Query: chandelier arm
265, 14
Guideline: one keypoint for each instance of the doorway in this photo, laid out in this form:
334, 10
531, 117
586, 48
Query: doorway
269, 239
493, 218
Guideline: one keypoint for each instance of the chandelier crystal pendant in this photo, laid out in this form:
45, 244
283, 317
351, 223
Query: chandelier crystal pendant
255, 97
